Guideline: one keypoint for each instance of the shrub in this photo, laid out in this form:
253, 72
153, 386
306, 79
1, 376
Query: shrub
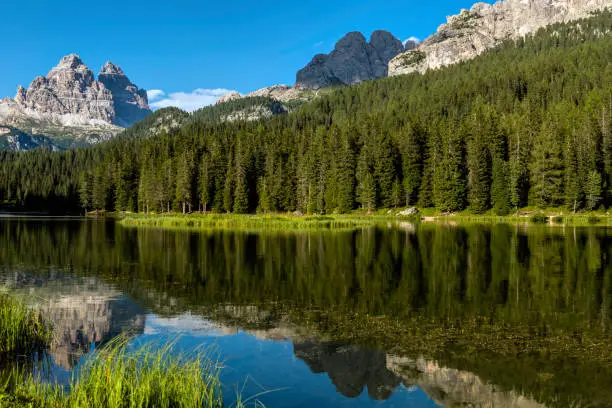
539, 219
593, 220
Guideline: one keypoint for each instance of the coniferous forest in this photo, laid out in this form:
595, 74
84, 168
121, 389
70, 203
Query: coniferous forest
527, 124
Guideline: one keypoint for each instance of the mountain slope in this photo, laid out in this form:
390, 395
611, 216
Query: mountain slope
474, 135
485, 26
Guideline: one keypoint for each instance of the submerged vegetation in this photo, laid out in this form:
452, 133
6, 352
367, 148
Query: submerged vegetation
22, 330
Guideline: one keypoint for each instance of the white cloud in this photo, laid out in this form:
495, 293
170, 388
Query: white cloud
413, 38
188, 101
155, 94
318, 44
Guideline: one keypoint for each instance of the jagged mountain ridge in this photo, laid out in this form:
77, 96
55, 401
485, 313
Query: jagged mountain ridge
353, 60
485, 26
463, 37
70, 104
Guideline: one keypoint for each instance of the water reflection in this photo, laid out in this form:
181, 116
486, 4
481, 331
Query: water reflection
82, 311
476, 316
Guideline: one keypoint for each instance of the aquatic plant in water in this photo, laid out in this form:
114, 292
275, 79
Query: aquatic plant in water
22, 330
119, 376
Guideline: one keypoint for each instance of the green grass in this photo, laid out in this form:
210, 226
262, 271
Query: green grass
280, 222
117, 376
22, 330
358, 219
527, 215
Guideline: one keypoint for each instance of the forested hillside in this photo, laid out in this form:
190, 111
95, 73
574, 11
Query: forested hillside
525, 124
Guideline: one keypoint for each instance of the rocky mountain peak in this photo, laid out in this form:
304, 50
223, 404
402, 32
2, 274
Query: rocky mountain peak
130, 103
352, 61
70, 62
71, 94
111, 69
386, 43
351, 39
229, 97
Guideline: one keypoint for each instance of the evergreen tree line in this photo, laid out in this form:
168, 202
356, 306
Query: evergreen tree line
525, 124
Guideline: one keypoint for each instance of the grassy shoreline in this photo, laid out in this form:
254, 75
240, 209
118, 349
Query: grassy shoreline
288, 222
279, 222
22, 330
116, 376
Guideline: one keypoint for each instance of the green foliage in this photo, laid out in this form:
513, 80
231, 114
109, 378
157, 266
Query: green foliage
220, 112
117, 377
594, 220
539, 219
593, 189
22, 330
475, 135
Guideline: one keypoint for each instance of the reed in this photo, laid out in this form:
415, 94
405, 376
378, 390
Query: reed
22, 330
279, 222
118, 376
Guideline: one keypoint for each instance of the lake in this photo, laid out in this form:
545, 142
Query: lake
396, 315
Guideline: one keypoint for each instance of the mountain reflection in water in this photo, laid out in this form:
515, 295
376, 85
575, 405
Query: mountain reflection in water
422, 316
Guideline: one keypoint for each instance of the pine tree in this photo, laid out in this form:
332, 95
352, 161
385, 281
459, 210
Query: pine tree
479, 176
204, 184
241, 195
500, 193
385, 169
397, 195
547, 169
367, 192
184, 180
574, 194
411, 151
99, 188
449, 178
85, 190
345, 178
593, 190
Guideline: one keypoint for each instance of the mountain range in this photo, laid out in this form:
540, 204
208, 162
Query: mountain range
69, 107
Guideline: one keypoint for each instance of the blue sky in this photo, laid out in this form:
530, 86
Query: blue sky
190, 48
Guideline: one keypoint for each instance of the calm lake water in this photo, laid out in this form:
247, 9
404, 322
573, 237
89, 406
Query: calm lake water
388, 316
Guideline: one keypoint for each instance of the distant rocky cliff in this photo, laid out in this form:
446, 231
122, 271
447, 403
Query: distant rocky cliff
70, 102
71, 92
484, 26
130, 103
352, 61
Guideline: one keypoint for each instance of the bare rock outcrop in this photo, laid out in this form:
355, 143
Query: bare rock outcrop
484, 26
68, 89
232, 96
131, 104
352, 61
70, 94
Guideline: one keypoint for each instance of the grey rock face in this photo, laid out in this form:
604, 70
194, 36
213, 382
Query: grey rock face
232, 96
474, 31
70, 94
130, 103
352, 61
68, 89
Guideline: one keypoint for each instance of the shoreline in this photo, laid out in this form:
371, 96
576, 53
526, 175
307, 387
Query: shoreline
289, 221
